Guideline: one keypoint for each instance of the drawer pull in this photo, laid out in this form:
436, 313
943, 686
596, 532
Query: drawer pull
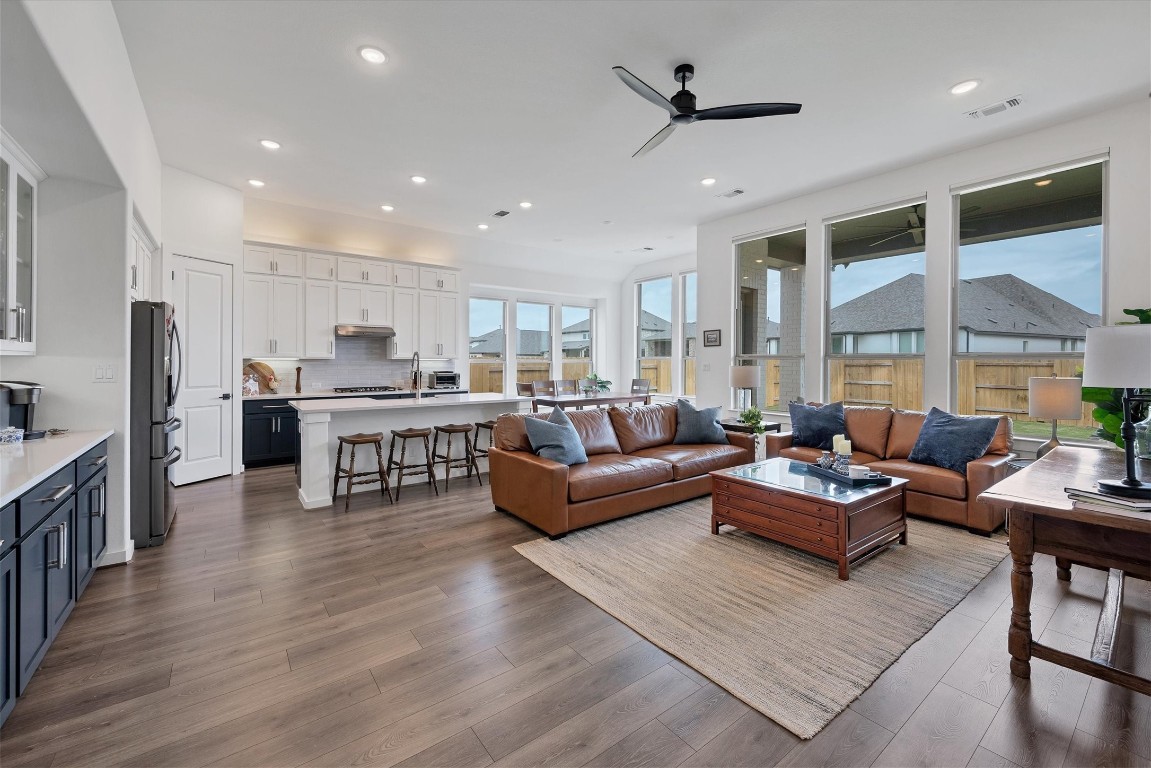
99, 462
61, 492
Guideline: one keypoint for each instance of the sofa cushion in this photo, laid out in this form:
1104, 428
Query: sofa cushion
510, 432
868, 428
694, 460
595, 431
815, 426
904, 432
556, 439
810, 455
695, 426
925, 478
610, 473
949, 441
643, 426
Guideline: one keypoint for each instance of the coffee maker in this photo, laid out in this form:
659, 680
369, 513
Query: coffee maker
18, 406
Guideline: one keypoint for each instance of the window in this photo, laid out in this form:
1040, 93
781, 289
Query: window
653, 333
533, 342
689, 333
1030, 267
487, 344
877, 299
576, 342
769, 317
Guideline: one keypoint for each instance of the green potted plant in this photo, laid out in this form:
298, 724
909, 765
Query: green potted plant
593, 383
753, 418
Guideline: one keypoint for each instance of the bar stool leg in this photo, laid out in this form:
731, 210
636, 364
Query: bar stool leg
400, 472
473, 463
351, 477
431, 467
336, 474
385, 485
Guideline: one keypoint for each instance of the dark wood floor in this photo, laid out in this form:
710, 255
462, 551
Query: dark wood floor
264, 635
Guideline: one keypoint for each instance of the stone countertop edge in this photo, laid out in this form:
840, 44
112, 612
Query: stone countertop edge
368, 404
331, 393
23, 465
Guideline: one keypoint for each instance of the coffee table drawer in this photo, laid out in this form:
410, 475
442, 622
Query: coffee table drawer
783, 514
751, 521
776, 499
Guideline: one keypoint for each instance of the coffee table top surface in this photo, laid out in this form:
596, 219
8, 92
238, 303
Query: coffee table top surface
790, 475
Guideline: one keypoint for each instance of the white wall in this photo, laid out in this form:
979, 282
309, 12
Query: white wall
1124, 132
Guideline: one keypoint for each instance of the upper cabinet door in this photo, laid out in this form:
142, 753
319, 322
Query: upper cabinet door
258, 259
350, 304
257, 316
18, 195
405, 318
349, 270
287, 263
405, 275
319, 266
378, 306
319, 319
288, 317
447, 320
377, 272
429, 279
449, 281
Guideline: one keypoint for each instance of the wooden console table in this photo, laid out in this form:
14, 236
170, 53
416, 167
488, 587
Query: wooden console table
1042, 519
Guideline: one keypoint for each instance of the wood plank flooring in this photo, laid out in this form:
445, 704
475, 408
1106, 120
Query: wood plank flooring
413, 635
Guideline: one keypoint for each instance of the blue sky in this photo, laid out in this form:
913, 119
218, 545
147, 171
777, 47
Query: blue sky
488, 314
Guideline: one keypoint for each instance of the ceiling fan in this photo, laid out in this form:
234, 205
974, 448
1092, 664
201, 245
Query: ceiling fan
681, 106
916, 223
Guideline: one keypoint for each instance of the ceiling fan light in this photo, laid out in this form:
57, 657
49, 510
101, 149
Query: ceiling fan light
967, 86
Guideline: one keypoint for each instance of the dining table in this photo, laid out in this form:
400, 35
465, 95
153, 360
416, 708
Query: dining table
595, 399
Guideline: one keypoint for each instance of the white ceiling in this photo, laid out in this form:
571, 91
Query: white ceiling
498, 102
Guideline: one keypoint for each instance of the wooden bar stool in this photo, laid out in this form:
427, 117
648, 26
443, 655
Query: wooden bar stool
490, 426
381, 474
402, 468
467, 461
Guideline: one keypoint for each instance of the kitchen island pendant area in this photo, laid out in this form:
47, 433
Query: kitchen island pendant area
322, 421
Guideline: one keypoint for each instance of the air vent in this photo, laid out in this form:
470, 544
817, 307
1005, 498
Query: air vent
996, 108
641, 250
731, 193
500, 214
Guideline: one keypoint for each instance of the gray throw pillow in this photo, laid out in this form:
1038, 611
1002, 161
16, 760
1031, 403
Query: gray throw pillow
949, 441
697, 425
556, 439
814, 426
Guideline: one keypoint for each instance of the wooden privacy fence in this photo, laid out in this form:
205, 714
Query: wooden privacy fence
488, 376
893, 382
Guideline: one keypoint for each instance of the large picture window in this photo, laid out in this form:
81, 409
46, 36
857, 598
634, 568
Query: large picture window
577, 333
533, 342
689, 332
1030, 285
487, 344
877, 301
653, 333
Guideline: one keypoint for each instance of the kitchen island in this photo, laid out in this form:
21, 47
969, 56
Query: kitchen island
321, 421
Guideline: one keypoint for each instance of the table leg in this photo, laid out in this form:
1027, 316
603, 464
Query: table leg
1022, 554
715, 524
844, 569
1063, 568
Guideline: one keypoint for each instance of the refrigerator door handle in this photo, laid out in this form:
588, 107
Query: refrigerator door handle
172, 424
172, 457
179, 355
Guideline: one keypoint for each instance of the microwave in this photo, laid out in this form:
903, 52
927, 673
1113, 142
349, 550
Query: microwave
443, 380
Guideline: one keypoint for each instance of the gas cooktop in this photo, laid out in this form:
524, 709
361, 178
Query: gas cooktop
365, 389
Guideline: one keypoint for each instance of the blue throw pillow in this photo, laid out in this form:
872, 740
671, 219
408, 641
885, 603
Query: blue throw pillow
556, 438
814, 426
697, 425
949, 441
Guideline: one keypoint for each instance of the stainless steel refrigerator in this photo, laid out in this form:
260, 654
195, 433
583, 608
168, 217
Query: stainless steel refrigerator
156, 369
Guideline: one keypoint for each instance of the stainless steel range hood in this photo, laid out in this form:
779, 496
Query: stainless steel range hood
383, 331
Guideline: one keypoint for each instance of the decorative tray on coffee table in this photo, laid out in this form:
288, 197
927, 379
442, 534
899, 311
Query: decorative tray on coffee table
875, 478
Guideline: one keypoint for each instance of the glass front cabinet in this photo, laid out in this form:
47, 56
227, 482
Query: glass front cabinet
17, 256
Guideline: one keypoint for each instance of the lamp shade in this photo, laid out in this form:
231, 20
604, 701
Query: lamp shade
1118, 356
1052, 398
746, 376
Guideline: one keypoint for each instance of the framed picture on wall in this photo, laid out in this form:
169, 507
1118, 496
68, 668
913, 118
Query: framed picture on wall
711, 338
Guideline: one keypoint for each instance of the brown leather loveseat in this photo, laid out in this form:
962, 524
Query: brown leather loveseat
882, 439
632, 466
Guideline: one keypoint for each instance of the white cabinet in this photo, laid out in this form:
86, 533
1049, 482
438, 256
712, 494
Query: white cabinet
319, 319
139, 267
432, 279
319, 266
18, 203
405, 320
273, 316
363, 304
439, 316
405, 275
369, 271
267, 260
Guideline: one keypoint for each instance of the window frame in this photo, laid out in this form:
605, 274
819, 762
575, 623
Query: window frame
503, 352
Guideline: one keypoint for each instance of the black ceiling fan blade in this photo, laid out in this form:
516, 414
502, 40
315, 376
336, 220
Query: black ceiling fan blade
741, 111
644, 90
884, 240
656, 140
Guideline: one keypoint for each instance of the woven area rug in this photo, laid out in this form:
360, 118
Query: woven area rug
770, 624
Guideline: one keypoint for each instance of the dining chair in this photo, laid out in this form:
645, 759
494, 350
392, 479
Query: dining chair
642, 387
565, 387
543, 388
524, 389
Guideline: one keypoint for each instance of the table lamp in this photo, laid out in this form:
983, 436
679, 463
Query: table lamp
745, 378
1119, 356
1054, 398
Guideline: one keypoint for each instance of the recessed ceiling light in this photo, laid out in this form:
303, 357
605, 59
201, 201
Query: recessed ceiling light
795, 269
387, 208
255, 182
269, 144
419, 179
967, 86
373, 55
707, 182
759, 261
607, 221
1043, 182
481, 226
745, 277
525, 204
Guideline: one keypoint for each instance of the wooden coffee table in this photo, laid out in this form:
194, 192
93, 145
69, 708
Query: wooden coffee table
779, 500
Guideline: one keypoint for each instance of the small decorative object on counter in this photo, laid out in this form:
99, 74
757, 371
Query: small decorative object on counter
265, 375
251, 385
826, 459
842, 460
299, 371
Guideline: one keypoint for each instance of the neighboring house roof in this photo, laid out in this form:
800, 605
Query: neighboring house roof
1001, 304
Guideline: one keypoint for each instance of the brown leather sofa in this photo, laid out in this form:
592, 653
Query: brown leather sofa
882, 439
632, 467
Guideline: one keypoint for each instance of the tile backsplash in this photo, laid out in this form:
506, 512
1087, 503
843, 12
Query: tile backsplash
359, 362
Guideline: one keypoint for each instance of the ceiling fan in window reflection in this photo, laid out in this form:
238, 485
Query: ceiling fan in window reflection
681, 106
916, 224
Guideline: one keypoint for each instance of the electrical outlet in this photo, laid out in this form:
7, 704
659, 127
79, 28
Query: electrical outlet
317, 385
707, 367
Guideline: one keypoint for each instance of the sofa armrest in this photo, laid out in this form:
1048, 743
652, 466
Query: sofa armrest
743, 440
774, 442
983, 473
533, 489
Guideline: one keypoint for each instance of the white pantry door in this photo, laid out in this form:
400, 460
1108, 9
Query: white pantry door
203, 298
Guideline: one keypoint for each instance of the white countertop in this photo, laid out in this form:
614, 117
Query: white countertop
368, 404
333, 393
22, 465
